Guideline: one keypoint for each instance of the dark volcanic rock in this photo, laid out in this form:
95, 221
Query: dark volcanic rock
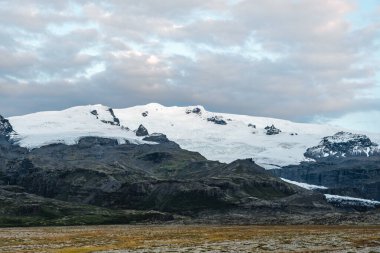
142, 131
343, 144
18, 208
217, 120
348, 164
157, 137
353, 176
156, 157
93, 141
272, 130
355, 203
115, 121
145, 114
95, 113
162, 177
195, 110
5, 127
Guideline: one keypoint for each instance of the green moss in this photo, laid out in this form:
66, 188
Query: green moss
117, 217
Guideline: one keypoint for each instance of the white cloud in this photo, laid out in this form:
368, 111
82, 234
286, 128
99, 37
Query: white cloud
288, 59
153, 60
366, 121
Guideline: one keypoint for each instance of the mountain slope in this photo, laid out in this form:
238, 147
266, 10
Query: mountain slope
68, 126
161, 177
18, 208
350, 176
240, 137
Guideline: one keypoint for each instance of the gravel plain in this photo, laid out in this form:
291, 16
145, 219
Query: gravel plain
190, 238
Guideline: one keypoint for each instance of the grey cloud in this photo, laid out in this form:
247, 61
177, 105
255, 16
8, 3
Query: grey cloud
319, 62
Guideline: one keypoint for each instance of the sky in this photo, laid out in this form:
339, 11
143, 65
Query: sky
302, 60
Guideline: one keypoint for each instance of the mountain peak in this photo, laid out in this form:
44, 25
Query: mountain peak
69, 126
343, 144
154, 105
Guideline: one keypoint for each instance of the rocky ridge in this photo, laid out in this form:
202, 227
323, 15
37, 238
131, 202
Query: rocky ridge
272, 130
217, 120
5, 127
343, 144
351, 176
345, 164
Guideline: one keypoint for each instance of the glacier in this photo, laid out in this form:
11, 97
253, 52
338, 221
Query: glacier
192, 127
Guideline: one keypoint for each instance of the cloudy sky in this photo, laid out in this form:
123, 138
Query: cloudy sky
303, 60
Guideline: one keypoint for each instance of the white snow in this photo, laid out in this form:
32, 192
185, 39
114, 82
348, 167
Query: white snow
304, 185
192, 131
345, 200
67, 126
232, 141
337, 199
342, 137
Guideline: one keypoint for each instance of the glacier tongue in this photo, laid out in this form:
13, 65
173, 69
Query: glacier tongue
350, 201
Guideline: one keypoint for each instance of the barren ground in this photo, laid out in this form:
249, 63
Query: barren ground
182, 238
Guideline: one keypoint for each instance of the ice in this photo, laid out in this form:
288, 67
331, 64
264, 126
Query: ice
305, 185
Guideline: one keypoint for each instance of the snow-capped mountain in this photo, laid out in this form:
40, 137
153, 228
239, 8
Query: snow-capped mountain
343, 144
68, 126
217, 136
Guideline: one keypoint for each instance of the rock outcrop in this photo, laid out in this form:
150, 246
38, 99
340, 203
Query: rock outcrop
343, 144
195, 110
142, 131
351, 176
157, 137
5, 127
272, 130
348, 164
115, 121
95, 113
217, 120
